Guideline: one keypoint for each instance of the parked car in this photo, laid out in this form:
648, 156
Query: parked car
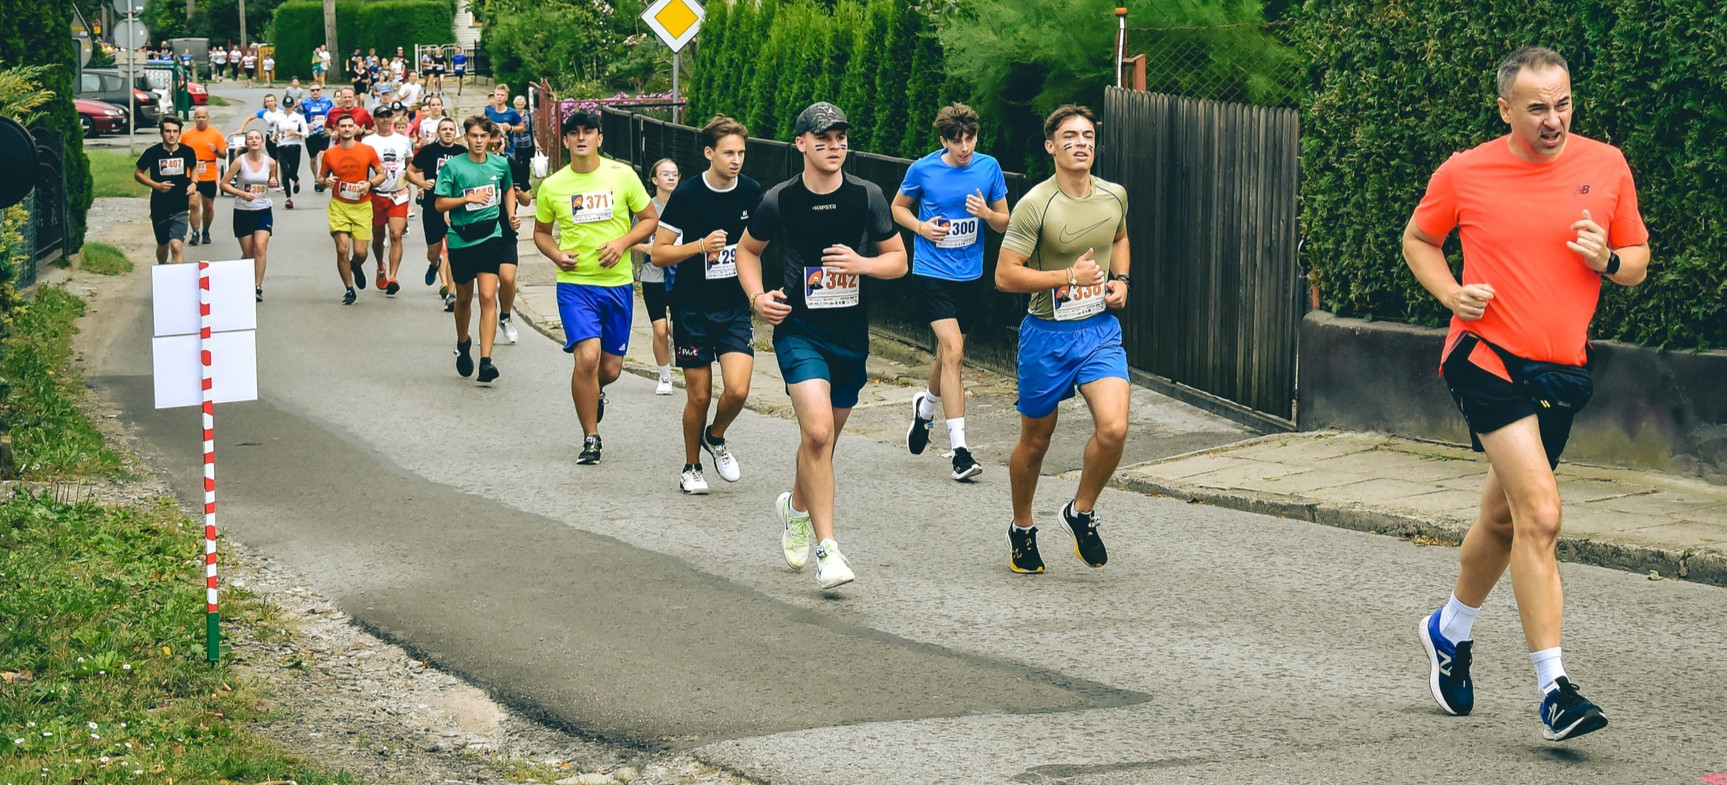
106, 84
200, 96
101, 117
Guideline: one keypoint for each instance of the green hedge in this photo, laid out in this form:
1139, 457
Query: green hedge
298, 28
35, 33
1398, 87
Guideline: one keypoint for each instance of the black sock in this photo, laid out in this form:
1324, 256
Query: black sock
503, 317
708, 432
485, 361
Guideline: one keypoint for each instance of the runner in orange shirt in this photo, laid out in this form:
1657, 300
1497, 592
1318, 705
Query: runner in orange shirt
351, 170
1543, 215
211, 148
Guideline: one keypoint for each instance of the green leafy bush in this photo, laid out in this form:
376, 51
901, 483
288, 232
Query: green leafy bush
298, 27
1396, 88
34, 34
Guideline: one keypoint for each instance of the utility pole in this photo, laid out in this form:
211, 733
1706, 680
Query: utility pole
330, 34
243, 41
191, 8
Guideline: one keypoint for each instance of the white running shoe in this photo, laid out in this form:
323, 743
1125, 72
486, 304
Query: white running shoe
664, 387
724, 462
692, 482
509, 328
795, 540
831, 568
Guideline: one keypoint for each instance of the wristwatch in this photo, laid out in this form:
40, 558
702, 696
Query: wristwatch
1612, 263
1122, 278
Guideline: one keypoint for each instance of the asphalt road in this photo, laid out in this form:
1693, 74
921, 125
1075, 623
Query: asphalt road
1216, 645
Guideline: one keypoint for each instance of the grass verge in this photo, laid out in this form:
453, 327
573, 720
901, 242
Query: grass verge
105, 259
102, 671
216, 100
111, 174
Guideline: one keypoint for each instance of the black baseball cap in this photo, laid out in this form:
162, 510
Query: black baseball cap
819, 118
383, 111
582, 119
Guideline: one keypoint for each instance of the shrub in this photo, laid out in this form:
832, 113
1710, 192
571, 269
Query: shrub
298, 27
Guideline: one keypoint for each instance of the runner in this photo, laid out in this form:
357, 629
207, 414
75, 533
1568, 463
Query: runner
290, 140
294, 91
712, 318
249, 181
507, 257
318, 66
390, 196
427, 65
249, 65
269, 69
1066, 246
411, 93
822, 220
211, 147
474, 190
955, 191
423, 172
166, 169
663, 176
1544, 216
234, 59
524, 144
435, 82
352, 170
360, 73
218, 62
425, 128
317, 108
459, 65
347, 106
273, 116
589, 204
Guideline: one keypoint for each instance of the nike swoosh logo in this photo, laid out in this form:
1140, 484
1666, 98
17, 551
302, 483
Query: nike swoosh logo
1068, 237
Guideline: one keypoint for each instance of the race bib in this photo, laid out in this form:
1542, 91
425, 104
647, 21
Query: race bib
399, 197
171, 167
591, 207
491, 192
1077, 302
723, 263
351, 191
204, 166
826, 289
961, 232
255, 190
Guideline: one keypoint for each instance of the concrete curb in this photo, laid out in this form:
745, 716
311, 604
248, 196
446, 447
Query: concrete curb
1699, 566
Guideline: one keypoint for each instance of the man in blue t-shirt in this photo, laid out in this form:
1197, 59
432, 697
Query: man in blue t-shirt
317, 108
947, 198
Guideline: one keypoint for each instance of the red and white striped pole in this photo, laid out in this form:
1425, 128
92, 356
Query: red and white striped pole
212, 618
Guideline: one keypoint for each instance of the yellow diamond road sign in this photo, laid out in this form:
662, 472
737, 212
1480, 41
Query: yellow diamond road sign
675, 21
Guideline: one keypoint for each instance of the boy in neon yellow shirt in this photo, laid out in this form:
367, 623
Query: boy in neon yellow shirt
590, 203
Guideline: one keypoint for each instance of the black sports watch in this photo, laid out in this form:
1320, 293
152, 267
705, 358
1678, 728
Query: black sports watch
1122, 278
1612, 263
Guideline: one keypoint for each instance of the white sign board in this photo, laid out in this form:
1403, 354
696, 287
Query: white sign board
676, 22
176, 354
232, 304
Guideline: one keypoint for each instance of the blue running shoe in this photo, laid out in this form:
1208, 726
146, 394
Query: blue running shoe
1449, 668
1567, 715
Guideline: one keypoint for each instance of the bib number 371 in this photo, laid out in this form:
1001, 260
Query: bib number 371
591, 207
824, 288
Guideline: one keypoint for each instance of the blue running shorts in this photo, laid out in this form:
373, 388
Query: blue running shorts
601, 312
1055, 358
807, 352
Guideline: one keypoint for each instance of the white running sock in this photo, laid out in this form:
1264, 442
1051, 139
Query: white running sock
927, 409
1023, 528
1548, 668
1456, 619
665, 373
956, 432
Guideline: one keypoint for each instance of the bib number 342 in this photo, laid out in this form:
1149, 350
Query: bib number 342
824, 288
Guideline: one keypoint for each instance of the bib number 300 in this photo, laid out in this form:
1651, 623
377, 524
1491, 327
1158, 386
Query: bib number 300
826, 289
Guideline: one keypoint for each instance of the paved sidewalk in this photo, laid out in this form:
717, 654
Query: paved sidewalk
1632, 520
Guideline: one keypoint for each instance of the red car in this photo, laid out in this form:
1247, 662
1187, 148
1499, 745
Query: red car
101, 117
200, 96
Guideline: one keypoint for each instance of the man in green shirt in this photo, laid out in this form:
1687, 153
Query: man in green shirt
474, 189
590, 203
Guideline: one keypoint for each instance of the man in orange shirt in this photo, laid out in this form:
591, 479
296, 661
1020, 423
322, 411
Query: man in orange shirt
350, 170
211, 148
1544, 216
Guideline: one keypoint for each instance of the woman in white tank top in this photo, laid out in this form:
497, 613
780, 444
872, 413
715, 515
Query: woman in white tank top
250, 181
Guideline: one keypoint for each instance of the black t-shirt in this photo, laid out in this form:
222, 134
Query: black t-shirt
694, 211
430, 159
802, 224
175, 168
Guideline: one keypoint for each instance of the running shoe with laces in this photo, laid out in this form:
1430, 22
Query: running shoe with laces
358, 268
831, 568
348, 297
290, 204
488, 371
964, 466
1565, 714
1086, 544
508, 327
391, 287
207, 239
194, 239
431, 274
259, 293
590, 451
600, 411
795, 538
449, 303
692, 482
383, 280
664, 387
464, 362
1024, 557
1447, 668
917, 436
724, 462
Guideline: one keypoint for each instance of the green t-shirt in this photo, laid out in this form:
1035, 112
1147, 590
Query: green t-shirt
587, 211
1053, 229
460, 176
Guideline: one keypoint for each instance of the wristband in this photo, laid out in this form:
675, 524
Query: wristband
753, 298
1072, 278
1612, 263
1121, 278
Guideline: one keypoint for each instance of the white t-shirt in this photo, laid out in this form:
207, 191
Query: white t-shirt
409, 94
325, 56
394, 151
292, 130
269, 64
273, 120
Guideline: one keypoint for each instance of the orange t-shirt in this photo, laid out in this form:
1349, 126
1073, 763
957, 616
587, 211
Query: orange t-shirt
209, 144
1514, 218
351, 166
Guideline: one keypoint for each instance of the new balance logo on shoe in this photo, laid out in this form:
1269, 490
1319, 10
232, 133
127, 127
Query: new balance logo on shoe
1444, 663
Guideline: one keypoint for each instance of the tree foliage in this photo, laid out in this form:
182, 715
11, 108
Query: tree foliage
217, 20
39, 34
1395, 89
298, 27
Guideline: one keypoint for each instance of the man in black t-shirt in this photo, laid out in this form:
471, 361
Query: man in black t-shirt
423, 173
699, 233
167, 169
822, 220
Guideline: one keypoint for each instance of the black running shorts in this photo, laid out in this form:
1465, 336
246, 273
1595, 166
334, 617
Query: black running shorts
656, 299
700, 337
1489, 403
467, 263
944, 299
